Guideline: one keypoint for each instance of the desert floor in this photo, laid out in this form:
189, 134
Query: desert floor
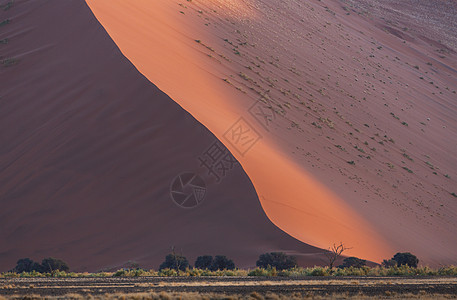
216, 287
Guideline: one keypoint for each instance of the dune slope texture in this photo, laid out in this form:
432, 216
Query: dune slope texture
90, 150
342, 116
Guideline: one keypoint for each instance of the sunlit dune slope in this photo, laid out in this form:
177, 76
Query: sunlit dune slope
348, 122
90, 150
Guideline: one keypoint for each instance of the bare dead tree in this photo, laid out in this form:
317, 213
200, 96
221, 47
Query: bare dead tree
177, 263
177, 258
334, 253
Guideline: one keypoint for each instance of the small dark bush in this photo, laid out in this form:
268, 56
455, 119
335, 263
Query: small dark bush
49, 265
278, 260
221, 262
389, 263
27, 265
174, 261
353, 262
318, 272
406, 258
204, 262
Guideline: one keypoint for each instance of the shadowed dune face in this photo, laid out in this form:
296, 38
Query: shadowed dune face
90, 150
351, 119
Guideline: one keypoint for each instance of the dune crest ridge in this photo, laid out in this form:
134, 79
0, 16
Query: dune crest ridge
95, 160
168, 53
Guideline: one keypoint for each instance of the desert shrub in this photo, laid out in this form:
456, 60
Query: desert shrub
174, 261
207, 272
353, 262
62, 274
402, 270
447, 271
168, 272
352, 271
388, 263
234, 272
192, 272
293, 272
302, 272
10, 275
259, 272
204, 262
406, 258
99, 274
231, 272
278, 260
221, 262
51, 264
132, 273
319, 271
377, 271
425, 271
48, 265
27, 265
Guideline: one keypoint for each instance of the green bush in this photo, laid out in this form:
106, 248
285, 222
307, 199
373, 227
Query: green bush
388, 263
49, 265
353, 262
27, 265
406, 258
168, 272
447, 271
352, 271
259, 272
278, 260
293, 272
319, 271
403, 270
221, 262
204, 262
174, 261
131, 273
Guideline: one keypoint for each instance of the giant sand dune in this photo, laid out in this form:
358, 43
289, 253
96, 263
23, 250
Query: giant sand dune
227, 127
89, 152
356, 112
